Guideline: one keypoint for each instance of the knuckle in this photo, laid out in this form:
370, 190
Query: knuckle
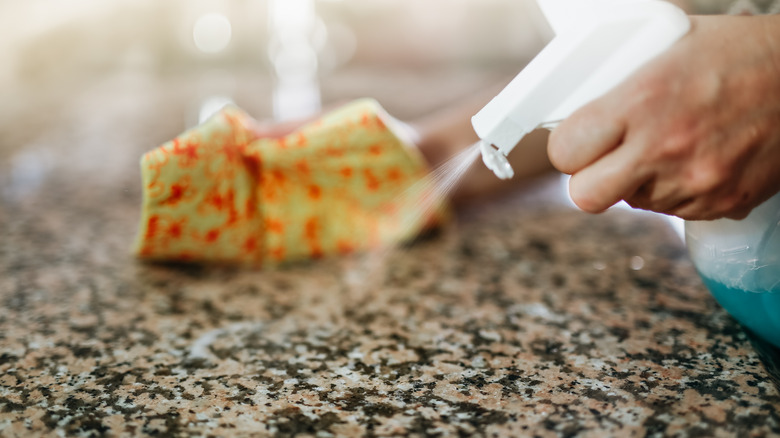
677, 143
706, 178
649, 89
759, 130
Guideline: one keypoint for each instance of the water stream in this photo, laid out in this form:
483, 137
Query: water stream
423, 199
431, 192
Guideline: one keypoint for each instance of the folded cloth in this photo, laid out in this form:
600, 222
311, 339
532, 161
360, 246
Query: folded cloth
346, 182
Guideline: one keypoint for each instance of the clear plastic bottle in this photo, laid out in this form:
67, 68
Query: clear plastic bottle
739, 262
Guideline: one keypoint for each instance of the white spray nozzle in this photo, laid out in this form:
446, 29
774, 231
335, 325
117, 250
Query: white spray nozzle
594, 53
496, 161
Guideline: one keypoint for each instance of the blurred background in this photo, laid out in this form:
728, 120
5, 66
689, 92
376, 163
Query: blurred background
276, 58
87, 86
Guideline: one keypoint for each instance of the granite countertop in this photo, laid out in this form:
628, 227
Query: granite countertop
524, 317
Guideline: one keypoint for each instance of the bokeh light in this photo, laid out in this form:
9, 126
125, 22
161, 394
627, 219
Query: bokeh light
211, 33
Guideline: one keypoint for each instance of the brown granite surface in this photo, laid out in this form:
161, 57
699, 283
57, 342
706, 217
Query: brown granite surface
524, 318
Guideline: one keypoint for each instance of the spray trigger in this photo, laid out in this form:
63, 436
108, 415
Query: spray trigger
606, 43
550, 125
496, 161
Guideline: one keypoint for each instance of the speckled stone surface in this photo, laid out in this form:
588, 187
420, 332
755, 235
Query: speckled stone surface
524, 318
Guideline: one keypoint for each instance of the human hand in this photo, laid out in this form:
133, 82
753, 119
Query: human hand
695, 133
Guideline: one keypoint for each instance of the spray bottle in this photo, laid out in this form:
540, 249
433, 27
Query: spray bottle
739, 261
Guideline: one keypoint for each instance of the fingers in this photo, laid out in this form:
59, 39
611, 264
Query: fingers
614, 177
699, 209
585, 136
660, 194
729, 202
588, 146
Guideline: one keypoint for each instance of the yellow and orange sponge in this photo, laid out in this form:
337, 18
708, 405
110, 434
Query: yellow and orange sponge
344, 183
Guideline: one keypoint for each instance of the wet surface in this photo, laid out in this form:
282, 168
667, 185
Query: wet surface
522, 318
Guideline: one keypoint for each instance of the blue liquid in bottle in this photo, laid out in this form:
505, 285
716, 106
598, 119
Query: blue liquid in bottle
758, 311
739, 262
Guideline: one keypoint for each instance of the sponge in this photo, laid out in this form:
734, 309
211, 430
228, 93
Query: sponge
346, 182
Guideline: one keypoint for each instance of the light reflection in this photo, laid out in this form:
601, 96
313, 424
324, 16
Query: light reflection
678, 225
292, 52
216, 88
297, 63
211, 105
637, 263
291, 20
211, 33
336, 44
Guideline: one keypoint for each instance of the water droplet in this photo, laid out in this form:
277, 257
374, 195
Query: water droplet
637, 263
